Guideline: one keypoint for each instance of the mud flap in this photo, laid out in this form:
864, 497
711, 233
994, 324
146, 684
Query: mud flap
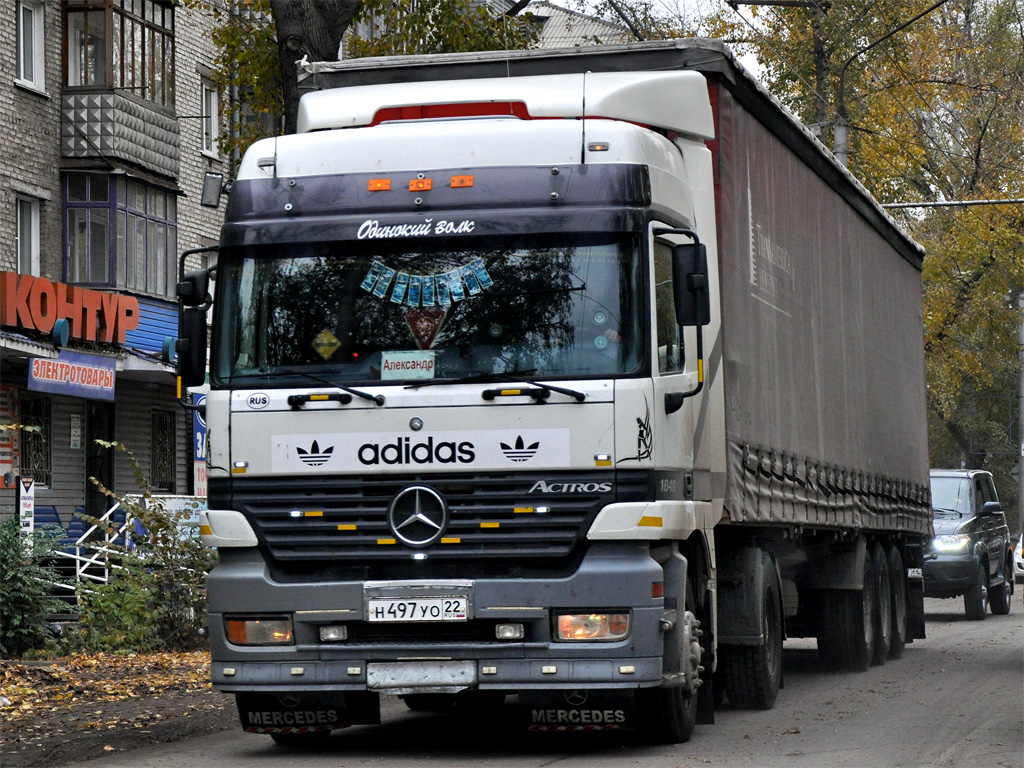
577, 710
306, 712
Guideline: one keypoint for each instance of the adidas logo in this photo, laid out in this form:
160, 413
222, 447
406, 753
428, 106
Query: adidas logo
520, 451
314, 457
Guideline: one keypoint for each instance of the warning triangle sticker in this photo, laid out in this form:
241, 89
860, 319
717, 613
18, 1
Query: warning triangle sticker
424, 323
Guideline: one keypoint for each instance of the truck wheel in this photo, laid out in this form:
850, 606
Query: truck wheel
898, 584
429, 702
999, 599
753, 674
302, 740
665, 715
847, 638
668, 715
883, 605
976, 598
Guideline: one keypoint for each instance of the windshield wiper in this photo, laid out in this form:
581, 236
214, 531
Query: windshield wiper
537, 390
948, 511
301, 399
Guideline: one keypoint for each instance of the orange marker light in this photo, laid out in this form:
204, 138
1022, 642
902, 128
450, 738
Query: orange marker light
462, 181
419, 185
378, 185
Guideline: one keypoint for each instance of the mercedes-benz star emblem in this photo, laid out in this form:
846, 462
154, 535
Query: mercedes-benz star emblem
418, 516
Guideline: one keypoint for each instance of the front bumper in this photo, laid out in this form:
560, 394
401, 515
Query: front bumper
448, 656
949, 575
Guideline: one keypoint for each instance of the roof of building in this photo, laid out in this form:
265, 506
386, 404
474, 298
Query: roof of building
563, 28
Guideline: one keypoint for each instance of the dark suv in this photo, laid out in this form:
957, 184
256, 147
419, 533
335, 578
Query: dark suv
972, 554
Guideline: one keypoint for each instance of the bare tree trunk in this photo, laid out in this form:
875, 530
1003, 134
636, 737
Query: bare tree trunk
310, 28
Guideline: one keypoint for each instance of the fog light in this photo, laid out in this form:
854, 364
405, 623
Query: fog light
590, 627
334, 633
272, 630
510, 631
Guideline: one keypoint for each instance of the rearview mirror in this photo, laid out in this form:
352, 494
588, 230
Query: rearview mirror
194, 289
191, 347
690, 284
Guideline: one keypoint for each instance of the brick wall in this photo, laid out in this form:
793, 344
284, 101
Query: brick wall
29, 147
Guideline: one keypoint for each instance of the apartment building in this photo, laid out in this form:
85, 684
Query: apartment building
109, 122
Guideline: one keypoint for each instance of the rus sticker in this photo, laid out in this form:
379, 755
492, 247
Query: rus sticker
371, 276
444, 296
401, 285
469, 276
428, 291
415, 286
455, 284
481, 273
383, 282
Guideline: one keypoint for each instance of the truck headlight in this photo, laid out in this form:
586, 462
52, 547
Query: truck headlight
591, 627
953, 542
265, 630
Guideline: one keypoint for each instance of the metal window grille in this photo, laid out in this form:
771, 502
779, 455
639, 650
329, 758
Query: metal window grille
35, 443
163, 464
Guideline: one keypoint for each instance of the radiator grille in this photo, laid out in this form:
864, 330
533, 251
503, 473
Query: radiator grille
492, 516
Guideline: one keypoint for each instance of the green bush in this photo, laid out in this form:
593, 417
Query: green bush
155, 599
27, 574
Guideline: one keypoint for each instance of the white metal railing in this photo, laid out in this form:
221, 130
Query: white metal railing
92, 554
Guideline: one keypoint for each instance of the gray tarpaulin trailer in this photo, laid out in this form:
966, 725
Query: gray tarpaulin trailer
822, 348
583, 375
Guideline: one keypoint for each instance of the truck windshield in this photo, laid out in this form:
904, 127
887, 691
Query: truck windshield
358, 312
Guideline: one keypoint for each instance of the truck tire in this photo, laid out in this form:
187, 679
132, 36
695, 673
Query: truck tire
976, 598
883, 605
309, 740
667, 715
999, 599
898, 584
429, 702
753, 674
847, 635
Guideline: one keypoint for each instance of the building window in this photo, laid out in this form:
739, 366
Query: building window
125, 44
211, 118
35, 443
30, 66
162, 456
122, 233
27, 236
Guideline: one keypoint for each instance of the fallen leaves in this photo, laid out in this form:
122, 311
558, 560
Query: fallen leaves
30, 689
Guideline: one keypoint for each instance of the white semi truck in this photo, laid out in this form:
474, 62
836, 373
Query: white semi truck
586, 376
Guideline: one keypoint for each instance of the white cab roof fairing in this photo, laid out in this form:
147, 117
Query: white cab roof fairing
673, 101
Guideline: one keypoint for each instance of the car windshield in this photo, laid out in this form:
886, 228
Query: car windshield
951, 495
357, 313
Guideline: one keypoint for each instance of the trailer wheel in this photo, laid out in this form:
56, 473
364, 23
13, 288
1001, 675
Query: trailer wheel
668, 715
753, 674
883, 605
976, 598
847, 637
1000, 598
898, 584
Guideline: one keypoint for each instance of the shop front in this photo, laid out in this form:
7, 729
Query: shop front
80, 371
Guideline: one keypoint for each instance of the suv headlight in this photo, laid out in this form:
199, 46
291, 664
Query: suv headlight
953, 542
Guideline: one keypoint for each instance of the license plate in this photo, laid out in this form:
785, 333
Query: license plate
384, 609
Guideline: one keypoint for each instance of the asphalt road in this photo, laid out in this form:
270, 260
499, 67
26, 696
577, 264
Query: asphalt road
955, 699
